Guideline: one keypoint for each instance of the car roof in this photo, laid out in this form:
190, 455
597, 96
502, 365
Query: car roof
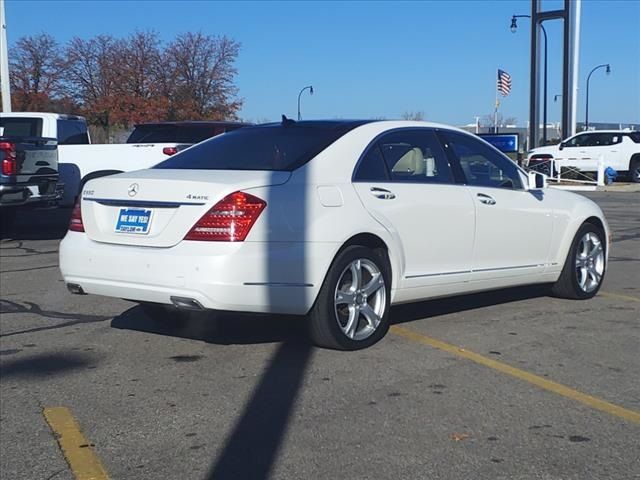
605, 131
382, 125
189, 123
61, 116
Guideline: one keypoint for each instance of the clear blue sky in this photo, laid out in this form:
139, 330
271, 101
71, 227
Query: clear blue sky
376, 59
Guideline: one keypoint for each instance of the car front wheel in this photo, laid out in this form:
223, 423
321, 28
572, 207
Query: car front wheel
584, 268
352, 308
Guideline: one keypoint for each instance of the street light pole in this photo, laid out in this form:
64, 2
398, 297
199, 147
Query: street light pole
310, 88
586, 111
514, 26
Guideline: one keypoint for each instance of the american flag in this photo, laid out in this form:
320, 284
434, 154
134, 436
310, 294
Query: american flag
504, 82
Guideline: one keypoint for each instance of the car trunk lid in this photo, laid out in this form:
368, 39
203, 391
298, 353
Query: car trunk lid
158, 207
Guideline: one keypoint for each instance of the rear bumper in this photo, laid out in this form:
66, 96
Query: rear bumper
275, 277
44, 191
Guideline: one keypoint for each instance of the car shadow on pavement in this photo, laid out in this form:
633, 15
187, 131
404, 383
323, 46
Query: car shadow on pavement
432, 308
222, 328
230, 328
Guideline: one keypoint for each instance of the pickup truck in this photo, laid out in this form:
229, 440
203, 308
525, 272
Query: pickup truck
78, 159
619, 149
29, 172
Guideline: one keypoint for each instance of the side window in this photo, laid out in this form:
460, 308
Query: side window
605, 139
72, 132
584, 140
371, 168
634, 136
415, 156
482, 165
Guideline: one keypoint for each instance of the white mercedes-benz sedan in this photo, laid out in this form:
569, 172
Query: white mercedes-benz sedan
334, 220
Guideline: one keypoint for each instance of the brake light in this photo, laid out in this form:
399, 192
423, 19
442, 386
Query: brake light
170, 150
75, 223
230, 220
9, 161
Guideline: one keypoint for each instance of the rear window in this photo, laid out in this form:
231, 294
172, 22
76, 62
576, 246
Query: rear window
21, 127
177, 133
72, 132
268, 147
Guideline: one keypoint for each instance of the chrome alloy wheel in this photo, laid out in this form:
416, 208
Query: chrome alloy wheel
360, 299
589, 262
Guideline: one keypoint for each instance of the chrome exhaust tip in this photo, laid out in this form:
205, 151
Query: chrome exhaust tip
185, 303
75, 289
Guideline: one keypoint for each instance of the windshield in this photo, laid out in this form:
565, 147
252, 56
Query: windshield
266, 147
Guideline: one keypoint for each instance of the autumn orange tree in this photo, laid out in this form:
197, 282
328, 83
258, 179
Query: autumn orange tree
36, 73
122, 81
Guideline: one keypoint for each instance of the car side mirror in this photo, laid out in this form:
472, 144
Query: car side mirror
537, 181
561, 146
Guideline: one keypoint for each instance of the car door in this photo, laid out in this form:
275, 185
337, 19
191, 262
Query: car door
405, 182
605, 146
513, 225
577, 153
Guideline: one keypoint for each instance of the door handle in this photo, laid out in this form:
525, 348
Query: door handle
486, 199
382, 194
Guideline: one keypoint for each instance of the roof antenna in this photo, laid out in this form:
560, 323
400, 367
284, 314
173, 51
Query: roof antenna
287, 121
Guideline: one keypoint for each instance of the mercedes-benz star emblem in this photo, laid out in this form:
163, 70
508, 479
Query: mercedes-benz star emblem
133, 189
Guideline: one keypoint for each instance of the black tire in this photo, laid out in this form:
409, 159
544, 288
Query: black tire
324, 327
634, 169
568, 284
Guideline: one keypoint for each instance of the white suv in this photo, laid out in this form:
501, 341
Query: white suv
619, 149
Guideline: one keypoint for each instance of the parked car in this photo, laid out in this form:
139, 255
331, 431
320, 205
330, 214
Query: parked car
29, 175
184, 133
619, 149
79, 160
336, 220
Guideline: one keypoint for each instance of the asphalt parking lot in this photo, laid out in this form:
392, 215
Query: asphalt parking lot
506, 385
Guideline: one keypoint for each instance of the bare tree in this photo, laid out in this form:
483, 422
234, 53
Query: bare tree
203, 74
36, 72
93, 75
139, 96
489, 120
411, 115
123, 81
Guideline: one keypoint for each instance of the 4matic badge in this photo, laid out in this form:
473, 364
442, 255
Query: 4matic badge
197, 197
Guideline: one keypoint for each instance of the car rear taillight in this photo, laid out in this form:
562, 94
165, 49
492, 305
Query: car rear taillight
170, 150
9, 161
75, 223
230, 220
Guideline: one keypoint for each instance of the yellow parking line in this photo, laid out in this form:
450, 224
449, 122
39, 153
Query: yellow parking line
82, 460
620, 297
536, 380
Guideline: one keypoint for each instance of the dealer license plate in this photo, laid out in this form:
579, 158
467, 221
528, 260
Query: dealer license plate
133, 220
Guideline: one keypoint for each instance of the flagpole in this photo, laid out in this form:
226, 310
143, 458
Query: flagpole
495, 111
